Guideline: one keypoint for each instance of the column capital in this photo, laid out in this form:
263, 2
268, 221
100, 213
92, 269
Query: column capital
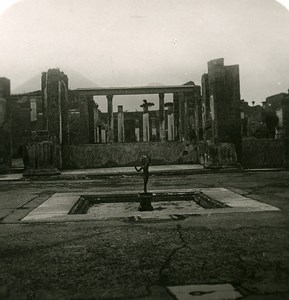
109, 97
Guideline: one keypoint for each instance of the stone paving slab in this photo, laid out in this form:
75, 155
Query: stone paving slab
4, 212
205, 292
53, 207
235, 200
19, 199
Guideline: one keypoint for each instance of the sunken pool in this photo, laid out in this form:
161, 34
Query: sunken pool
116, 205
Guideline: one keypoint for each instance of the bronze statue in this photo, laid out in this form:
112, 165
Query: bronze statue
145, 162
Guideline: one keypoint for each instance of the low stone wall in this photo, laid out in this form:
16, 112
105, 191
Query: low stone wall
265, 153
127, 154
222, 155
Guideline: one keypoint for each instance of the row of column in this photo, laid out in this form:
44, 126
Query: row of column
177, 120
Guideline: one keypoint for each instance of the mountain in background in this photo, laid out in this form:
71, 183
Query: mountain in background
155, 84
75, 80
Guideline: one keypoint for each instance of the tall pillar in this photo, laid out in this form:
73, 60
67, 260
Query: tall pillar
110, 119
171, 121
98, 134
176, 116
154, 129
146, 127
55, 101
162, 117
146, 120
95, 124
120, 124
137, 131
224, 92
91, 111
197, 113
5, 124
186, 118
103, 135
181, 117
33, 113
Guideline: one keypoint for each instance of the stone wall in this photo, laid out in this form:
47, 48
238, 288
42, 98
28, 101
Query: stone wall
222, 155
127, 154
265, 153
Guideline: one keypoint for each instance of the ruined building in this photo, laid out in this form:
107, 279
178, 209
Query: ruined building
171, 134
221, 104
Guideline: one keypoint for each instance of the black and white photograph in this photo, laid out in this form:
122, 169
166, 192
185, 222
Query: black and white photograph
144, 149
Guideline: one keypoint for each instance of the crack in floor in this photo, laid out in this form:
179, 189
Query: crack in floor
165, 269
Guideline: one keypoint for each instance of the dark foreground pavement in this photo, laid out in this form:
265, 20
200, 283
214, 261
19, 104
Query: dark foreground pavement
121, 260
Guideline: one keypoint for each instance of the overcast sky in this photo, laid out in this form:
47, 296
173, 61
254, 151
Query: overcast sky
137, 42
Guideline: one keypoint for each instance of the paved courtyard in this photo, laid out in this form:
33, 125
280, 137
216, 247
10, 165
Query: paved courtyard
236, 254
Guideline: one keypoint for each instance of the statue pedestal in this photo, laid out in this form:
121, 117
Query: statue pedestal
145, 202
40, 157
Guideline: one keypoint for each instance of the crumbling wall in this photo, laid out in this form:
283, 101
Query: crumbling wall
221, 155
265, 153
127, 154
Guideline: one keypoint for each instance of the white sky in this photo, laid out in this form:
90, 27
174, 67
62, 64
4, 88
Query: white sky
137, 42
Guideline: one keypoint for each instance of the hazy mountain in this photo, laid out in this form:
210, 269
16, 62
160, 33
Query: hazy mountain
155, 84
75, 80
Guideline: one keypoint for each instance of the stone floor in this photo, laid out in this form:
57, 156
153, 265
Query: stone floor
154, 259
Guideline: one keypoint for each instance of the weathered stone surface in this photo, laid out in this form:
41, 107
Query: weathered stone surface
218, 155
5, 124
221, 102
265, 153
127, 154
41, 157
55, 100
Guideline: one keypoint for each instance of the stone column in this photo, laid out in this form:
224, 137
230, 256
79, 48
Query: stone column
103, 135
137, 131
110, 132
154, 129
171, 121
162, 127
120, 124
176, 116
96, 120
186, 118
33, 113
224, 92
146, 127
55, 102
181, 97
5, 124
98, 134
91, 111
146, 120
